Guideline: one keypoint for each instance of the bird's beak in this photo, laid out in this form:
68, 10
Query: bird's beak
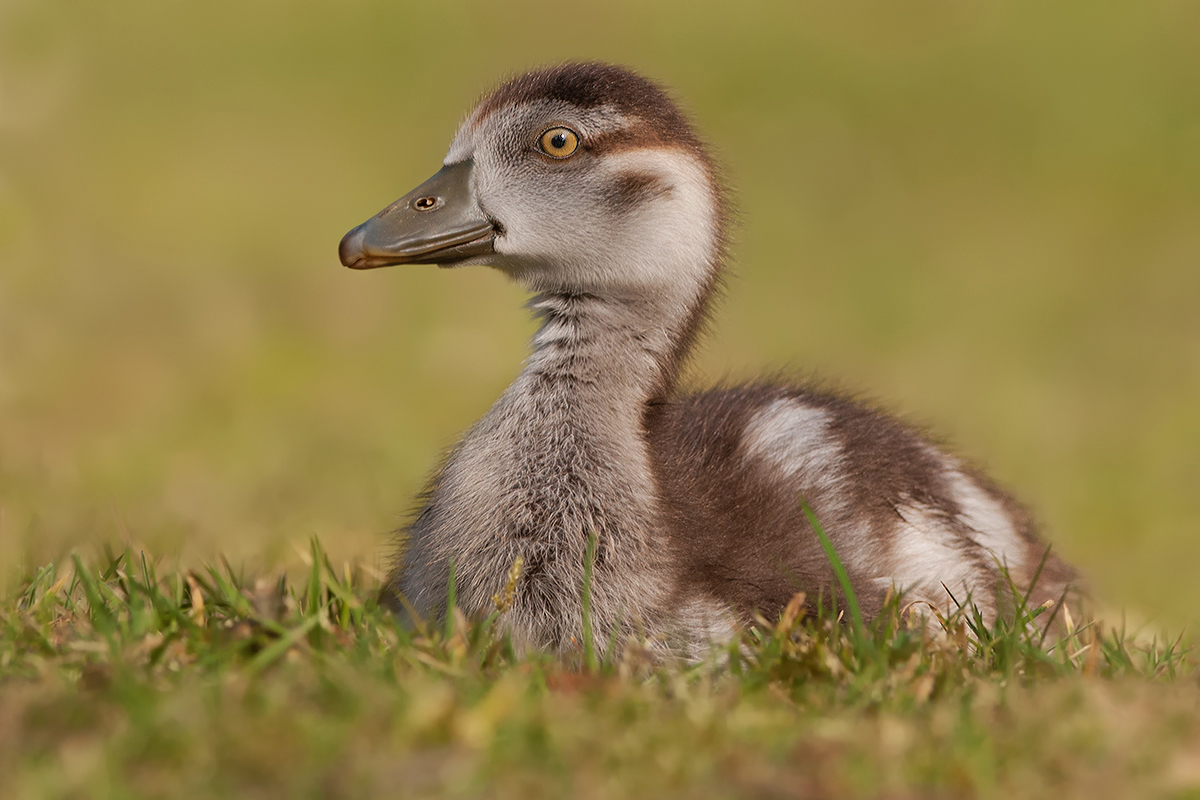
439, 222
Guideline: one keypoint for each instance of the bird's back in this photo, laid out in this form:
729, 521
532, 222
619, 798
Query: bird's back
736, 465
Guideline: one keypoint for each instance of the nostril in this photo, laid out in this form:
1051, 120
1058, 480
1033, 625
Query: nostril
425, 203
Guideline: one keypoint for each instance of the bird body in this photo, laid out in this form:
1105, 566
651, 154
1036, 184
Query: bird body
585, 183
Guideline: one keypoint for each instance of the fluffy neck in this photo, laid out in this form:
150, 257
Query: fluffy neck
612, 347
562, 456
560, 459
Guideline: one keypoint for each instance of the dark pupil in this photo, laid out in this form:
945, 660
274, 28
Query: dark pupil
558, 141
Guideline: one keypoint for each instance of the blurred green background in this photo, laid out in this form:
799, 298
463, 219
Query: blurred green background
984, 216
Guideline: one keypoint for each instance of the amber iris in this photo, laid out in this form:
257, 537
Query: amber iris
559, 142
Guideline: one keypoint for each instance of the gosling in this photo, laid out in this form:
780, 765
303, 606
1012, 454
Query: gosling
584, 183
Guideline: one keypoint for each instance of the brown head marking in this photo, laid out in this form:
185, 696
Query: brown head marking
657, 121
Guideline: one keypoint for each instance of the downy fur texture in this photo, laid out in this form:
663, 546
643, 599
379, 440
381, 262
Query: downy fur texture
693, 499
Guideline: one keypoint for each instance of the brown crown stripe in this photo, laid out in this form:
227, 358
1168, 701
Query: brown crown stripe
593, 84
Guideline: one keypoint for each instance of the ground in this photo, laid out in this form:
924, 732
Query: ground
125, 680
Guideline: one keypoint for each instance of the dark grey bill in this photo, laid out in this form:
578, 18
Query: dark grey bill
439, 222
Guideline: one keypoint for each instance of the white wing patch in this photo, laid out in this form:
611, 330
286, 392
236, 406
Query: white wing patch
795, 440
992, 525
930, 550
927, 554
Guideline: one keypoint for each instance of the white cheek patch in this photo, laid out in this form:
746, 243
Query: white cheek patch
570, 235
671, 236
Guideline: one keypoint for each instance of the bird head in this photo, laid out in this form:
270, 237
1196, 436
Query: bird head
579, 177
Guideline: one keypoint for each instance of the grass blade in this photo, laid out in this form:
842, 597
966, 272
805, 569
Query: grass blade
589, 648
839, 570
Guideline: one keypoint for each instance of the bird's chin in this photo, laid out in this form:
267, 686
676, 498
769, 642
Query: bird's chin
471, 261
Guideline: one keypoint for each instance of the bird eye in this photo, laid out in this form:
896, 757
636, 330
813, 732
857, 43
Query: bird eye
559, 142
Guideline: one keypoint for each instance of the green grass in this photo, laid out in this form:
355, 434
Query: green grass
125, 678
